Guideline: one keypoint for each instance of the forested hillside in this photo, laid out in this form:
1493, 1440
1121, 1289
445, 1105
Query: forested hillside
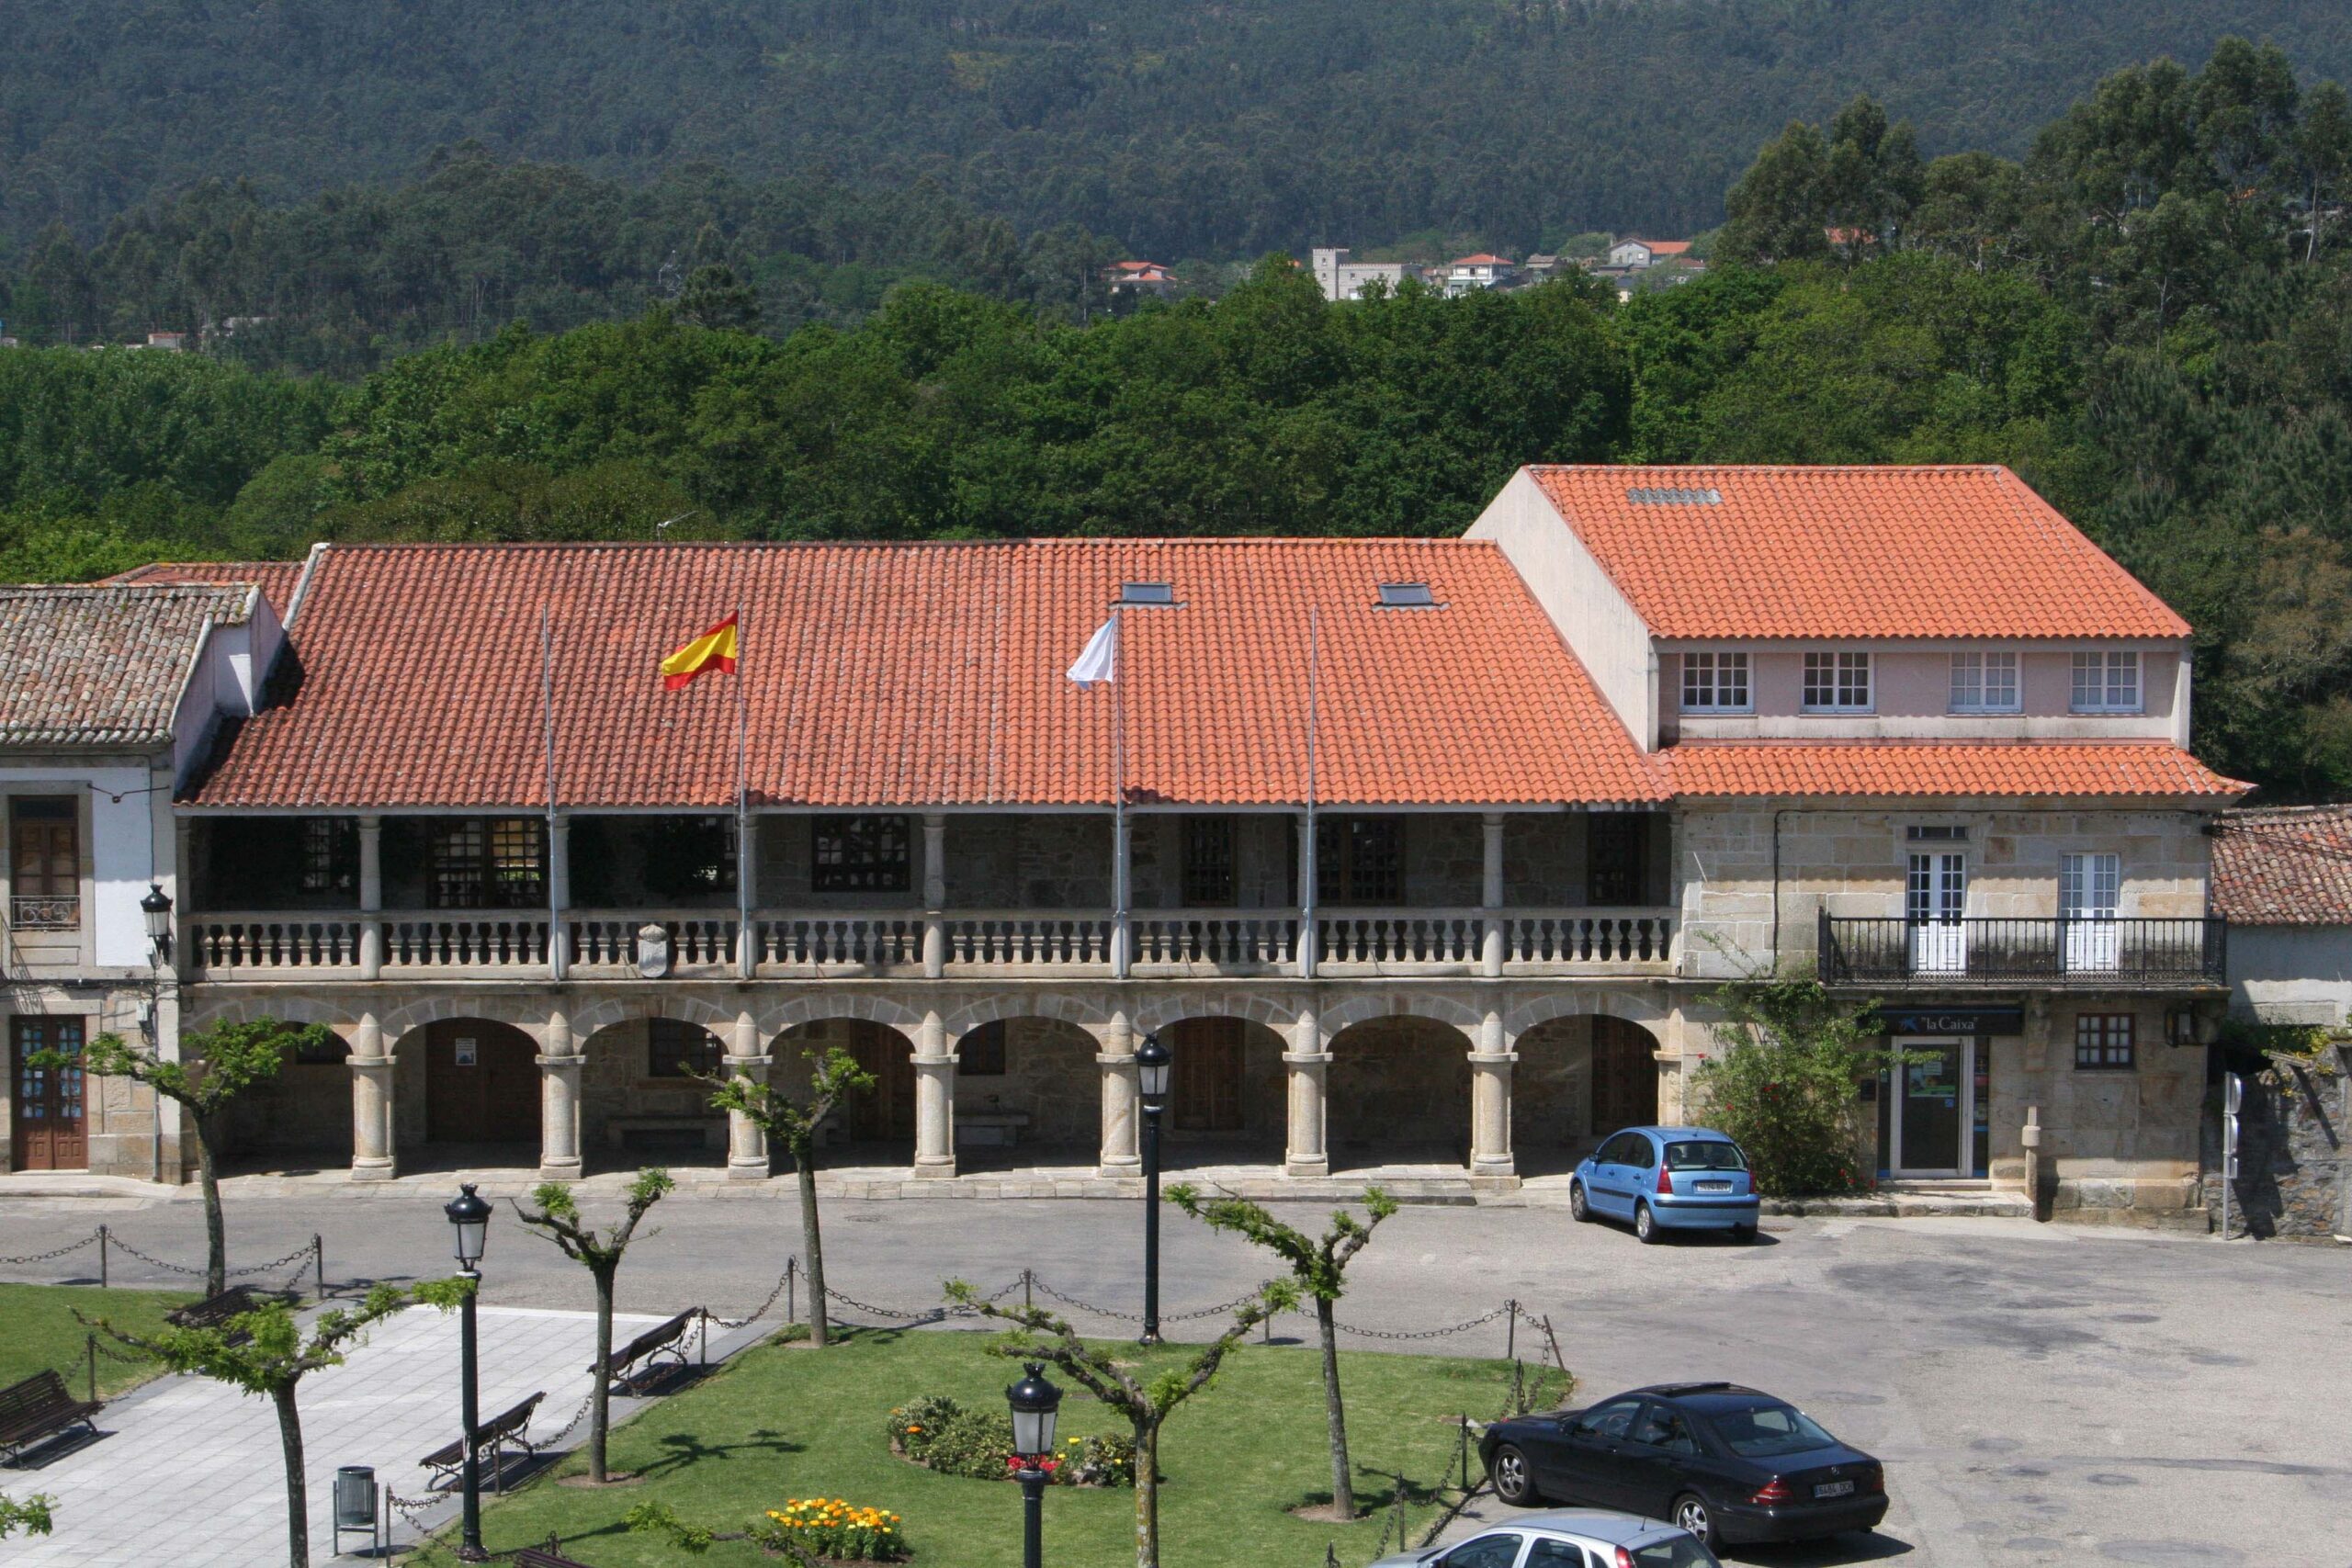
1185, 128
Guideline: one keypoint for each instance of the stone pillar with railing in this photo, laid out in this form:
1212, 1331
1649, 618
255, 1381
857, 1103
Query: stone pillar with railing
559, 894
1310, 940
559, 1063
1305, 1066
747, 1146
371, 897
934, 895
372, 1158
1490, 899
1491, 1061
1120, 1154
934, 1100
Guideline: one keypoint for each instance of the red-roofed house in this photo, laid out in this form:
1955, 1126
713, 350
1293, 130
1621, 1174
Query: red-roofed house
1423, 856
1468, 275
1632, 255
1139, 277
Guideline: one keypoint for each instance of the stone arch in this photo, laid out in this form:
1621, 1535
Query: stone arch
1399, 1089
306, 1106
1277, 1012
439, 1095
636, 1101
284, 1008
884, 1045
1430, 1007
529, 1015
1058, 1005
1028, 1081
1569, 1001
606, 1012
870, 1007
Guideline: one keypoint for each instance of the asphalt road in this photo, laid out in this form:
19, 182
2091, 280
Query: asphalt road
2041, 1395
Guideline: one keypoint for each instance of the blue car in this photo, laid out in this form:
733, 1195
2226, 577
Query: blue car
1667, 1178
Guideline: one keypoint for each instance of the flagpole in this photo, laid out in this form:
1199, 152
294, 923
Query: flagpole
1309, 943
1118, 796
746, 954
558, 872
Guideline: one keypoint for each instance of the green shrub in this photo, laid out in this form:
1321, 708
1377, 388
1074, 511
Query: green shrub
936, 1431
1783, 1084
1101, 1459
808, 1529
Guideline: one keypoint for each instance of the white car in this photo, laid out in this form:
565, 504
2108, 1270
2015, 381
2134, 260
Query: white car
1568, 1538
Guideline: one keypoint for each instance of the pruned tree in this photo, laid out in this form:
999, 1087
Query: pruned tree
558, 1219
215, 1067
31, 1516
1319, 1266
274, 1361
1147, 1401
834, 1076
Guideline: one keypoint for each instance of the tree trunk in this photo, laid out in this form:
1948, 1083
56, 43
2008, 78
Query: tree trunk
600, 1390
1343, 1491
812, 1245
1148, 1495
216, 1238
298, 1497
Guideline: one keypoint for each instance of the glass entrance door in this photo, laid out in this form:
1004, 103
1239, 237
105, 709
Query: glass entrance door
1932, 1113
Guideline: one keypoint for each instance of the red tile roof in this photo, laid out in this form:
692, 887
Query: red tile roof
1481, 259
1664, 247
276, 578
101, 664
1849, 552
2285, 865
2018, 768
926, 674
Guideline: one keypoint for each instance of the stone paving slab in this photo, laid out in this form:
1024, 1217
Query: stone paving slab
191, 1473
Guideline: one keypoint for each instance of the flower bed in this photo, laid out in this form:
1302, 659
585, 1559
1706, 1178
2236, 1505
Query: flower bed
833, 1530
939, 1434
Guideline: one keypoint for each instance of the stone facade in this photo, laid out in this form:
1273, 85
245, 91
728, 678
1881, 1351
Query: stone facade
2294, 1180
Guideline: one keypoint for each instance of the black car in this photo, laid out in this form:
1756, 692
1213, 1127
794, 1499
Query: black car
1727, 1464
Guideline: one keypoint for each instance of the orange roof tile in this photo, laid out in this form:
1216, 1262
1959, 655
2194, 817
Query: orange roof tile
1481, 259
1755, 768
2285, 865
1849, 552
275, 578
1664, 247
925, 674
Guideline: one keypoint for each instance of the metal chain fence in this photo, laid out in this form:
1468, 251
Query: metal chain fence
90, 1240
729, 1325
305, 1253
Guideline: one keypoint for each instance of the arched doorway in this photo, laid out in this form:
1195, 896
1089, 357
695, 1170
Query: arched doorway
1225, 1095
300, 1118
1027, 1093
640, 1102
878, 1124
1399, 1095
1551, 1100
1625, 1075
482, 1083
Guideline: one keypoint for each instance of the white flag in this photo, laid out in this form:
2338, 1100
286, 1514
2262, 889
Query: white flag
1100, 659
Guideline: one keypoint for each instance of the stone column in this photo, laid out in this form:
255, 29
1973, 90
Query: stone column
1490, 897
559, 1064
1490, 1065
747, 1146
559, 892
1309, 937
1120, 1154
934, 1100
934, 895
1122, 871
371, 897
372, 1158
1305, 1153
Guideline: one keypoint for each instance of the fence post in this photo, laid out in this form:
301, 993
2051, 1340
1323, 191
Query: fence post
791, 1289
1510, 1329
102, 1264
93, 1366
1465, 1451
1028, 1301
319, 1255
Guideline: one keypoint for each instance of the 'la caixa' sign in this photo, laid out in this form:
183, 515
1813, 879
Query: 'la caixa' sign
1954, 1021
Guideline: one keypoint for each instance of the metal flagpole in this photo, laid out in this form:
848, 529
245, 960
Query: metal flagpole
746, 958
1118, 793
1309, 945
558, 874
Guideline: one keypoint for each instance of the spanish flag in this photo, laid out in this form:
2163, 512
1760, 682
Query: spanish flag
714, 650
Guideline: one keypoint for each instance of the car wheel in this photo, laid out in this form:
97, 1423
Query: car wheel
1644, 1223
1579, 1209
1512, 1484
1690, 1513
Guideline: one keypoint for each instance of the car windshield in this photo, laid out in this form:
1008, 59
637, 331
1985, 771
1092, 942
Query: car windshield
1709, 1155
1762, 1431
1675, 1552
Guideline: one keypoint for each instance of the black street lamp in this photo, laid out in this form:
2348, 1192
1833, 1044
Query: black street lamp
469, 1216
1152, 1063
157, 907
1033, 1402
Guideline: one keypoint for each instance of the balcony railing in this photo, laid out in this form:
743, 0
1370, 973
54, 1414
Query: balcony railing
906, 944
2082, 953
40, 913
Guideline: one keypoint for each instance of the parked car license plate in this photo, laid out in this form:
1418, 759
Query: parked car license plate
1834, 1489
1715, 1187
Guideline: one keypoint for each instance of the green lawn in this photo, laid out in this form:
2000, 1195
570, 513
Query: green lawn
37, 1330
778, 1424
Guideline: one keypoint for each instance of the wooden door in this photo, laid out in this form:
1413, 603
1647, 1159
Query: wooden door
1206, 1091
482, 1083
1624, 1075
47, 1121
886, 1113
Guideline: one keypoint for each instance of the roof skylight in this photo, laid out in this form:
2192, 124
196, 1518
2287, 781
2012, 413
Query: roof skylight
1709, 497
1162, 593
1406, 596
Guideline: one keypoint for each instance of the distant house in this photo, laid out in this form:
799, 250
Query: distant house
1469, 275
170, 342
1340, 278
1139, 277
1636, 254
2282, 877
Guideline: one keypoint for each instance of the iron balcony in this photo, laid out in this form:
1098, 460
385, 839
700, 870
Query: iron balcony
2083, 954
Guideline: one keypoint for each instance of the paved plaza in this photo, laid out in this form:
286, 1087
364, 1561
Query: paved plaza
2042, 1393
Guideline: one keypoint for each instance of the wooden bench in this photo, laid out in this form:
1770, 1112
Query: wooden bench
498, 1434
40, 1408
214, 1311
544, 1557
661, 1339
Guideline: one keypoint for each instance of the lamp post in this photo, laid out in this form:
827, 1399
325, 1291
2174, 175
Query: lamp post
1033, 1402
157, 907
1152, 1062
469, 1217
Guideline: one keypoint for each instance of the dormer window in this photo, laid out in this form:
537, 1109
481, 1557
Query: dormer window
1406, 596
1155, 594
2107, 682
1985, 682
1715, 683
1836, 682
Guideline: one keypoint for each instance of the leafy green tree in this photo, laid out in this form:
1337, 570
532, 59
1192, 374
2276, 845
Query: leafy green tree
793, 1125
1782, 1083
1146, 1400
1779, 212
215, 1067
275, 1358
1318, 1267
557, 1217
33, 1516
715, 298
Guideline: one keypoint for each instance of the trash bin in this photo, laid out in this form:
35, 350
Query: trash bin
355, 1497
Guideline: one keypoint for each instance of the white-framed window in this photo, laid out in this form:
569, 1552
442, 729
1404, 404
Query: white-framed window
1985, 682
1715, 683
1836, 682
2107, 682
